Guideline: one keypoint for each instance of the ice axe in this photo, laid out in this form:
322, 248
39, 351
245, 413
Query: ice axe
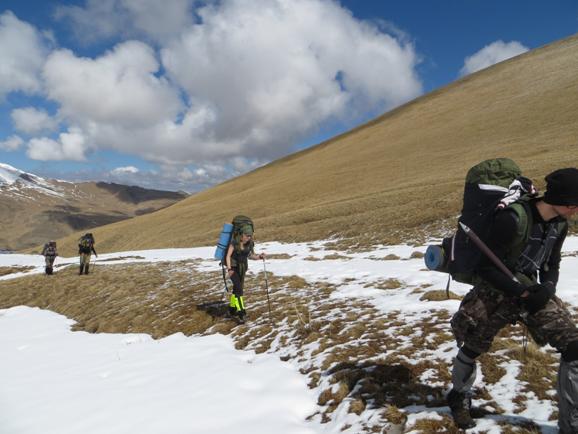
486, 250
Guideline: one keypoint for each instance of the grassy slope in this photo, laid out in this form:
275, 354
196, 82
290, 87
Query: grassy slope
404, 169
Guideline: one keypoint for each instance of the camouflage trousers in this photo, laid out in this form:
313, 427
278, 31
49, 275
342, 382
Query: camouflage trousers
49, 260
84, 259
483, 313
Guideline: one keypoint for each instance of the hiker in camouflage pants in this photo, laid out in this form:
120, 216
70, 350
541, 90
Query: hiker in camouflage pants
85, 249
50, 253
533, 254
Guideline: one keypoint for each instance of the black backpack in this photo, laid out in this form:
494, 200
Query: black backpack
490, 185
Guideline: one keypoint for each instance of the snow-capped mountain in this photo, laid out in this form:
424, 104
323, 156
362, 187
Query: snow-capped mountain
34, 209
13, 179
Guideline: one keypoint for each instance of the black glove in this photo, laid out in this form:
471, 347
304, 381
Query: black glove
538, 296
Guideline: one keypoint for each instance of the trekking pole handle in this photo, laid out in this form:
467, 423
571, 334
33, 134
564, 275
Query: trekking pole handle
486, 250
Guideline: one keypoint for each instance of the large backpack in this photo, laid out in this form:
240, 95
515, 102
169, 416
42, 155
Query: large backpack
50, 248
239, 223
231, 233
490, 185
86, 243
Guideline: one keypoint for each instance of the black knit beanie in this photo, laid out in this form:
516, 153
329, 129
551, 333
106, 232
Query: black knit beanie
562, 187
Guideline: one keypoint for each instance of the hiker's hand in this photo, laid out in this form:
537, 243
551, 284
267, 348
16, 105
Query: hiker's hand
538, 296
262, 256
230, 272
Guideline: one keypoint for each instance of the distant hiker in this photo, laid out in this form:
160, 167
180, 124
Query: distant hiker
240, 249
527, 237
50, 253
85, 248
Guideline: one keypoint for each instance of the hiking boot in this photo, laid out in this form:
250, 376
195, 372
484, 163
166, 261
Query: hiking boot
232, 312
460, 404
80, 271
239, 316
86, 269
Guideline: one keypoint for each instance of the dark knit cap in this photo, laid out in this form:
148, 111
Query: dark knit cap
562, 187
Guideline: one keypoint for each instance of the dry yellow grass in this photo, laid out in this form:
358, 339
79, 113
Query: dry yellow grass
438, 295
358, 358
403, 171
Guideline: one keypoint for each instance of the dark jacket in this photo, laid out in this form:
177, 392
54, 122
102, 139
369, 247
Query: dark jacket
540, 255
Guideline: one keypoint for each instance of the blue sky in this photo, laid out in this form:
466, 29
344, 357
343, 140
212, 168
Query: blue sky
190, 93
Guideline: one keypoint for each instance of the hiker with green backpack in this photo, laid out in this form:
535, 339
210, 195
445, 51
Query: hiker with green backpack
50, 253
518, 284
240, 249
85, 249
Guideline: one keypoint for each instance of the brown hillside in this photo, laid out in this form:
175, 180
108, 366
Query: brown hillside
403, 170
31, 217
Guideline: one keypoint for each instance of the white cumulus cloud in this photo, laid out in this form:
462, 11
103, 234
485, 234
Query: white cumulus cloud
31, 120
23, 50
71, 145
118, 88
235, 83
12, 143
124, 170
270, 72
491, 54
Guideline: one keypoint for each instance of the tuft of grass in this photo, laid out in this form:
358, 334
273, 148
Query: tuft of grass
445, 425
384, 284
395, 415
391, 257
520, 428
439, 295
119, 258
335, 256
491, 369
279, 256
538, 369
312, 258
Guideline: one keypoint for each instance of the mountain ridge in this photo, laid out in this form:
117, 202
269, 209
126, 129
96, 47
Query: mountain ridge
34, 209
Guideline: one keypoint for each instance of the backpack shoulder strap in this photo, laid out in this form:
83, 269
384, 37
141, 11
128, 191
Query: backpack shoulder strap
522, 209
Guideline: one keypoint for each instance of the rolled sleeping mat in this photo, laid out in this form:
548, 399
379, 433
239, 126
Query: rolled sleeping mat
435, 258
224, 240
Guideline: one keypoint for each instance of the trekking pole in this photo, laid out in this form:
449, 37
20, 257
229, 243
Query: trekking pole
226, 291
267, 289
